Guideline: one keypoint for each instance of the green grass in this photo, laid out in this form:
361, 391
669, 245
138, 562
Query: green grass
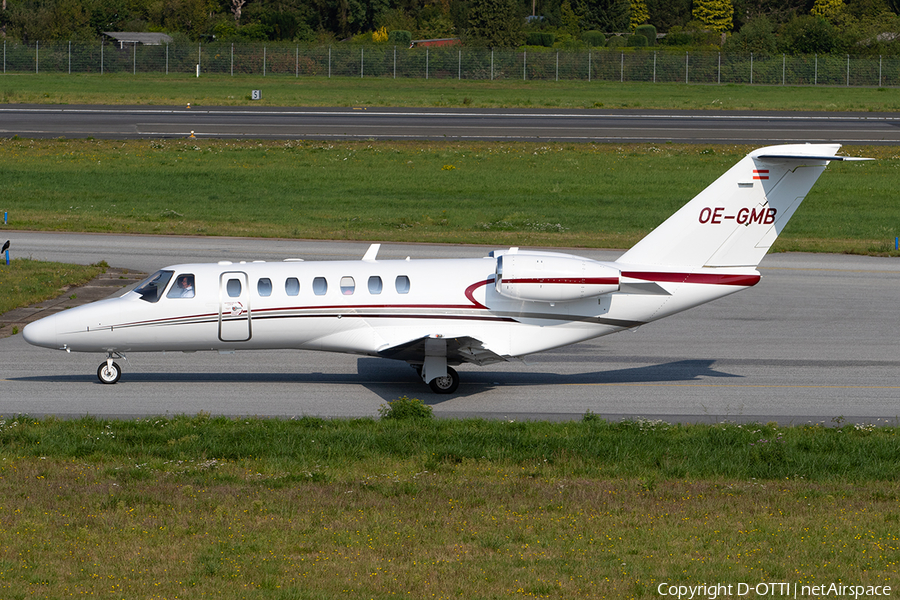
248, 508
221, 90
480, 192
27, 281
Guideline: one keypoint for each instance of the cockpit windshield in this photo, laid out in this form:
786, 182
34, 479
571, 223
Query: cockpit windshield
151, 289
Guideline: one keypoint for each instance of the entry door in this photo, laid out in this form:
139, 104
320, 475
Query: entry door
234, 307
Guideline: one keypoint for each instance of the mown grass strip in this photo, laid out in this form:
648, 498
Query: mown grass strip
221, 90
250, 508
483, 193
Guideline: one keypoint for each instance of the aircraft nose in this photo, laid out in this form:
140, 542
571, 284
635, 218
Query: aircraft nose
42, 333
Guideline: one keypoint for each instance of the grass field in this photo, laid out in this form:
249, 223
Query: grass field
27, 281
220, 90
248, 508
480, 192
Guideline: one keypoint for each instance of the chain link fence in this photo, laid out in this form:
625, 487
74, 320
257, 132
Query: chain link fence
451, 63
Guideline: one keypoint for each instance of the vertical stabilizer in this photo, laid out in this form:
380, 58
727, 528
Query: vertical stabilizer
734, 221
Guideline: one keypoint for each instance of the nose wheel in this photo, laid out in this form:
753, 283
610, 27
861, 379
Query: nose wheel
109, 372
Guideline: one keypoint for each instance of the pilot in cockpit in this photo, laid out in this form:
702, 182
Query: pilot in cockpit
184, 287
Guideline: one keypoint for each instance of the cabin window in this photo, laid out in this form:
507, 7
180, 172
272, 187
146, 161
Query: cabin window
292, 286
233, 288
151, 289
264, 286
347, 285
183, 287
375, 284
320, 286
402, 284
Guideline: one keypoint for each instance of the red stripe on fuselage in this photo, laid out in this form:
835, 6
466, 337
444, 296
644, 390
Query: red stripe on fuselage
707, 278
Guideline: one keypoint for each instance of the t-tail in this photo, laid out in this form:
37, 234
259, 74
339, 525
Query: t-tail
733, 222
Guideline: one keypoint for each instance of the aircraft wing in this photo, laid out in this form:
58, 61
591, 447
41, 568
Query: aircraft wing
459, 350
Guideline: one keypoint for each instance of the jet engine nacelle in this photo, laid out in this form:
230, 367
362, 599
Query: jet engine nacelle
553, 278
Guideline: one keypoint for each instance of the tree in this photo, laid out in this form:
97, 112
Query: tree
605, 15
639, 13
717, 15
809, 35
830, 10
757, 36
495, 24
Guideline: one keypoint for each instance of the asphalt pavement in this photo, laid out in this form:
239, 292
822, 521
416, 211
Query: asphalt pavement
815, 341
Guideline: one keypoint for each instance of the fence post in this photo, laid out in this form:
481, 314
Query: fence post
719, 74
395, 62
687, 57
37, 46
654, 66
361, 64
782, 68
590, 57
751, 68
816, 75
848, 70
426, 62
492, 64
264, 61
70, 57
524, 61
134, 59
622, 69
557, 65
329, 62
167, 58
879, 64
232, 59
101, 57
459, 65
297, 61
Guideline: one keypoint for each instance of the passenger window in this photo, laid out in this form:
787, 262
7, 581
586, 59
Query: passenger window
292, 286
320, 286
347, 286
183, 288
151, 289
233, 288
375, 284
402, 284
264, 286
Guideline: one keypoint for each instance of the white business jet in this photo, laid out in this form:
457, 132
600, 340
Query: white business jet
437, 313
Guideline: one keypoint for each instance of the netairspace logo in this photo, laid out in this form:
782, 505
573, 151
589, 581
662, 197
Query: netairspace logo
771, 590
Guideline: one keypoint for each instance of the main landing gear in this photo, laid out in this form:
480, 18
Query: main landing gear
446, 384
109, 372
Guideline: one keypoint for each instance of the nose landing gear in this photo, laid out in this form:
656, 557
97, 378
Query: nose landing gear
109, 372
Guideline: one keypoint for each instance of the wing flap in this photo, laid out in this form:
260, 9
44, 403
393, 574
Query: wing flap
463, 349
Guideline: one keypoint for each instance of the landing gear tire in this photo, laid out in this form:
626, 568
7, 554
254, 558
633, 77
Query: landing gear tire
445, 385
109, 373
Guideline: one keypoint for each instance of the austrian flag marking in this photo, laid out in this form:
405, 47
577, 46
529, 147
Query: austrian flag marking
760, 173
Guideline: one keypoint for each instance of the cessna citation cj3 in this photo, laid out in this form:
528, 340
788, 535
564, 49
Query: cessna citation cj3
437, 313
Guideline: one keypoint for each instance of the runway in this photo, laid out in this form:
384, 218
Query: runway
557, 125
815, 341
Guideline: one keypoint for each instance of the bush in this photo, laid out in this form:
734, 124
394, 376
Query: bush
400, 37
540, 38
616, 41
405, 408
636, 41
649, 32
594, 39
